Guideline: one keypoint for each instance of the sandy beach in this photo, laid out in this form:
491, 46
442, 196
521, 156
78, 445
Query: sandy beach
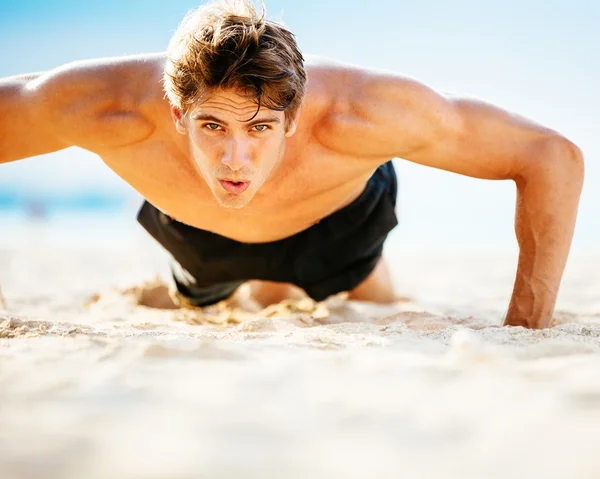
94, 385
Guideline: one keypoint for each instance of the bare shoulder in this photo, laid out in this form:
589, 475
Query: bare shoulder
103, 103
375, 113
378, 115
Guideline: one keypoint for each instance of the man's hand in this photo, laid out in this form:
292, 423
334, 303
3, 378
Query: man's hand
379, 116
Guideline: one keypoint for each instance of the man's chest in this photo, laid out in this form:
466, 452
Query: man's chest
307, 186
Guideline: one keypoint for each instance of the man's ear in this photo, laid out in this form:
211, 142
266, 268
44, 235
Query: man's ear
293, 124
178, 118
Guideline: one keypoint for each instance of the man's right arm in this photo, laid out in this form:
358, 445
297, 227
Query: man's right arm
96, 105
25, 127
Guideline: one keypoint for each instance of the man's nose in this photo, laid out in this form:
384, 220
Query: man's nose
237, 155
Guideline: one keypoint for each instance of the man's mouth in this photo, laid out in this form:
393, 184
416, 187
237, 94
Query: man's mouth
234, 187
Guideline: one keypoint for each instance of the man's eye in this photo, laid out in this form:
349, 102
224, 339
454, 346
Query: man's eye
212, 126
261, 127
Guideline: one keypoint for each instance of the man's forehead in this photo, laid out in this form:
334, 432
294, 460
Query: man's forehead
231, 104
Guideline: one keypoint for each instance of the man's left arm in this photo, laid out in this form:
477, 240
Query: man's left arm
391, 116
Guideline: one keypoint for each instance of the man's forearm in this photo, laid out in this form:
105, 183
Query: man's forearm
547, 201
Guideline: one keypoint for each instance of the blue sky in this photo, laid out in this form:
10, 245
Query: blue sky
538, 58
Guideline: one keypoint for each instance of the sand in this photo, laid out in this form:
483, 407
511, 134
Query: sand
94, 385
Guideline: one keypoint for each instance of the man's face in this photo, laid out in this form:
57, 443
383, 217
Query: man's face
235, 156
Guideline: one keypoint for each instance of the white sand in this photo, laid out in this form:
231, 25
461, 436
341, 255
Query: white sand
425, 389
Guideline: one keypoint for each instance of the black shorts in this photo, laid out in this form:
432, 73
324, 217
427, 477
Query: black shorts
334, 255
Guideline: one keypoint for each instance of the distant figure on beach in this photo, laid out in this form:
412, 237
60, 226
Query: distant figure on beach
36, 210
258, 164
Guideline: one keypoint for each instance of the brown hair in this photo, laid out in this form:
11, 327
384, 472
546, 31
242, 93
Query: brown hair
226, 44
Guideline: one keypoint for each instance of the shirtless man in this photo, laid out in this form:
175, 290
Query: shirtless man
252, 172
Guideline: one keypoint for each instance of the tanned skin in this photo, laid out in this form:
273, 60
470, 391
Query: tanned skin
351, 121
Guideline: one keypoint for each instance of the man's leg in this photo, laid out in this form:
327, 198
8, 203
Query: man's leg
377, 287
155, 294
266, 293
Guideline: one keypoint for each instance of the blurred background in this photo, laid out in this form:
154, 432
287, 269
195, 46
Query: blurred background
535, 57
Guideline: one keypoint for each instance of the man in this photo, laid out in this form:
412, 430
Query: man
257, 166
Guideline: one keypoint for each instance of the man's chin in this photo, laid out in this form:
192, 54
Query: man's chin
234, 206
233, 201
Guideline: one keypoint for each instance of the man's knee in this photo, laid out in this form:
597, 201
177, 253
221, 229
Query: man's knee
377, 287
268, 292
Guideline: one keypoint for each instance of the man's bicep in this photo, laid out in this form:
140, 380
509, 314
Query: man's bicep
387, 115
25, 126
45, 112
485, 141
94, 104
99, 104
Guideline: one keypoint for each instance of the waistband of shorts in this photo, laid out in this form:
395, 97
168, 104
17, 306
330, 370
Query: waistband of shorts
383, 181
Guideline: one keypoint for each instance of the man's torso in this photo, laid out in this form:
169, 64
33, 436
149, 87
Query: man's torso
310, 182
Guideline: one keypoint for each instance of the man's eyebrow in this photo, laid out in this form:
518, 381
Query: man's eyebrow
269, 119
209, 117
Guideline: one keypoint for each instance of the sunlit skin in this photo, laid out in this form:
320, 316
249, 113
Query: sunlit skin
351, 121
229, 140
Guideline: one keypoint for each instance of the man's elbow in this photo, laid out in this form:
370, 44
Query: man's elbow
570, 158
556, 156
